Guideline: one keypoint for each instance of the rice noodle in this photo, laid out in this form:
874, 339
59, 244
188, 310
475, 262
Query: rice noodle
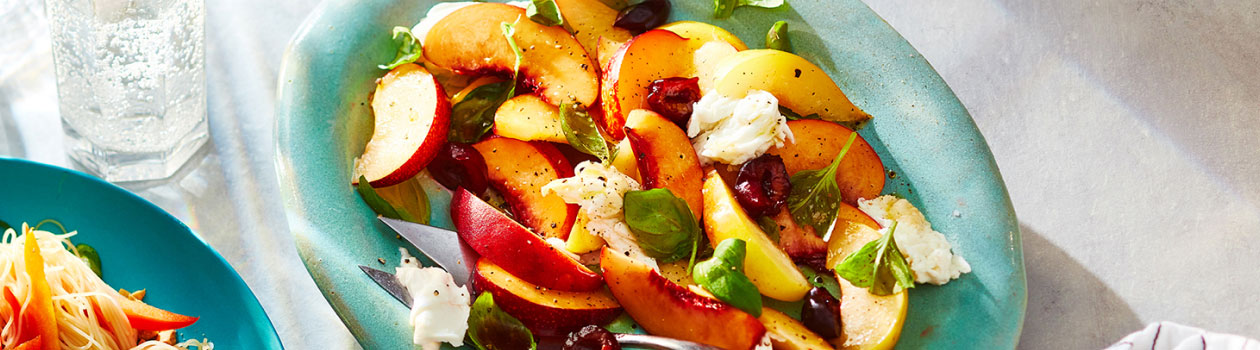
88, 314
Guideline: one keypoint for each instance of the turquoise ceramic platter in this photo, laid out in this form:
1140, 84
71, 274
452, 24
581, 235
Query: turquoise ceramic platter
921, 131
141, 247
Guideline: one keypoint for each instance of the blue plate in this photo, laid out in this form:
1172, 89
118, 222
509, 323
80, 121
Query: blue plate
141, 247
921, 131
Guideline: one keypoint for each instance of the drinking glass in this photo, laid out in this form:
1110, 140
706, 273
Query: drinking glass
131, 84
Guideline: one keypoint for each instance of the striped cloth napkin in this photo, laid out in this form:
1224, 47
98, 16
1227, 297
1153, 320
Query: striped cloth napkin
1172, 336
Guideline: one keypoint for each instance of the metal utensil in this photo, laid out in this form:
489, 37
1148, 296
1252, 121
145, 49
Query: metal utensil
444, 248
389, 283
440, 245
660, 343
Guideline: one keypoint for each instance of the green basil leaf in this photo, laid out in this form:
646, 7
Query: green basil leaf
815, 196
490, 328
378, 204
662, 223
473, 116
4, 226
409, 49
724, 8
623, 324
581, 132
544, 12
723, 276
878, 266
89, 257
777, 38
821, 280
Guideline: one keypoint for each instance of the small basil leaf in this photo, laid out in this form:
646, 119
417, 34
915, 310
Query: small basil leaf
662, 223
544, 12
89, 257
4, 226
777, 38
821, 280
581, 132
723, 276
378, 204
878, 266
724, 8
815, 196
473, 116
409, 49
490, 328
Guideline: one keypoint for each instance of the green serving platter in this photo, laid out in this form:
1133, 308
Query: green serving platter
933, 152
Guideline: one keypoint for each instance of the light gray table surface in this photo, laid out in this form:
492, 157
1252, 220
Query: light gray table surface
1128, 133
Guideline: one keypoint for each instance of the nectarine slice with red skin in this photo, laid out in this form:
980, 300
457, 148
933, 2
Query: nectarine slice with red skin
411, 116
861, 172
665, 157
502, 241
470, 41
667, 309
655, 54
544, 311
519, 170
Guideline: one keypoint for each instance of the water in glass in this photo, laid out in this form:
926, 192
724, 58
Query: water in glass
131, 83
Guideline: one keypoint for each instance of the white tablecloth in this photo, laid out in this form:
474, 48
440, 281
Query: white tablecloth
1128, 132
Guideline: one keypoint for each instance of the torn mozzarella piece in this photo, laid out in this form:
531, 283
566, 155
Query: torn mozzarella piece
599, 189
927, 251
735, 130
439, 307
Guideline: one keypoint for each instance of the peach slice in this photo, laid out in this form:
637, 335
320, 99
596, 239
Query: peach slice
653, 55
590, 20
667, 309
470, 41
544, 311
799, 84
861, 172
787, 333
605, 50
411, 116
529, 118
870, 322
769, 268
519, 170
665, 156
704, 32
848, 215
502, 241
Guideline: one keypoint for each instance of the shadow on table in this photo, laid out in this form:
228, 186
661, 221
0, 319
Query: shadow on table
1068, 307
